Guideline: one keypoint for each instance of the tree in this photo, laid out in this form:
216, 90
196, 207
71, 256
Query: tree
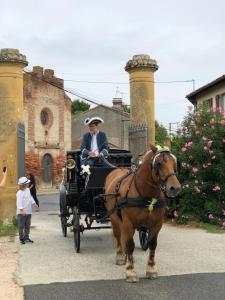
161, 133
78, 106
201, 152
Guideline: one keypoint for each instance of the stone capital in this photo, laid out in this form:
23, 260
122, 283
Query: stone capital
141, 62
9, 55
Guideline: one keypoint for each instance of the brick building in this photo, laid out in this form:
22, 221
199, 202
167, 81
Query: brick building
47, 119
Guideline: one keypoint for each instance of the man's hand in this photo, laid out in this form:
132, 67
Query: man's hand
91, 154
23, 211
101, 154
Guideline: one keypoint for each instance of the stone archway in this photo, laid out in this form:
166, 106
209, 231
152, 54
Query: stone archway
46, 170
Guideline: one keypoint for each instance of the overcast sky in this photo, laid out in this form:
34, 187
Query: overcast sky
92, 40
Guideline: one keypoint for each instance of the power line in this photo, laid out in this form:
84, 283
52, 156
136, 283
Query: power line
118, 82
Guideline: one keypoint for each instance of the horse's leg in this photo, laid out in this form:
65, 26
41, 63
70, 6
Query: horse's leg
151, 270
128, 233
116, 226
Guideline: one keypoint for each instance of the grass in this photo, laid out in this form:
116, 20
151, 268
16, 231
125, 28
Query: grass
8, 229
211, 228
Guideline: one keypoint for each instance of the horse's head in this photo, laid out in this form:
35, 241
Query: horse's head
164, 168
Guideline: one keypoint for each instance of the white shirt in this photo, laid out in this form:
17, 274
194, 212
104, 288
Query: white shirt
94, 145
24, 200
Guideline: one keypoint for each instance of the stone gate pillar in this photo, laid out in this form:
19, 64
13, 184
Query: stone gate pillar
141, 69
12, 63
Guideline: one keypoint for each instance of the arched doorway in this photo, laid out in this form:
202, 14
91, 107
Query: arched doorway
46, 170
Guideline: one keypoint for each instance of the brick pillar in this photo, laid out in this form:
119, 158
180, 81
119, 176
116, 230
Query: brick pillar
141, 70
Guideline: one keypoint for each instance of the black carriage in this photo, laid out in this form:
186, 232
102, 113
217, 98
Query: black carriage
78, 193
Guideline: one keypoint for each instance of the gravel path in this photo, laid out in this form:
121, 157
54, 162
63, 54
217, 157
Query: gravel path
52, 258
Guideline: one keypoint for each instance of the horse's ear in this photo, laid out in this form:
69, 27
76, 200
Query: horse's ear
153, 148
167, 143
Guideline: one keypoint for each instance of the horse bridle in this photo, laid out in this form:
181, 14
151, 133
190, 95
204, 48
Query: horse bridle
162, 181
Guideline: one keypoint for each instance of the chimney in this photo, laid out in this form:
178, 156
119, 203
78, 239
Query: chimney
38, 71
117, 103
49, 73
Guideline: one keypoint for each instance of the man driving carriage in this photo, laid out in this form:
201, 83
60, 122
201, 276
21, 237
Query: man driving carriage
94, 144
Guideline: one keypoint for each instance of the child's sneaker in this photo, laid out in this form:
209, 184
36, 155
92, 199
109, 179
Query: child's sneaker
22, 242
28, 241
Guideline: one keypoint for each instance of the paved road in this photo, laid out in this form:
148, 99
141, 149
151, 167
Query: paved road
50, 269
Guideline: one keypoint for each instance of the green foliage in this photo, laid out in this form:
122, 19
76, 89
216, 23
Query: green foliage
161, 133
78, 106
126, 108
7, 229
200, 150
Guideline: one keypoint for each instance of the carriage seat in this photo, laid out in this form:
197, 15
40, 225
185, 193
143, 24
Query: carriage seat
97, 177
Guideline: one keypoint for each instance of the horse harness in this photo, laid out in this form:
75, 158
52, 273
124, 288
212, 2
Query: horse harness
138, 202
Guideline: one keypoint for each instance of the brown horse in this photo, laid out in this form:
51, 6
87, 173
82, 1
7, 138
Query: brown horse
127, 204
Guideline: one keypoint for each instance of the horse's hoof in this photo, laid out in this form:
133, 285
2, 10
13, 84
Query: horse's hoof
132, 279
152, 275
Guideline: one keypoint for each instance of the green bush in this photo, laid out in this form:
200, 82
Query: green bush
7, 229
200, 149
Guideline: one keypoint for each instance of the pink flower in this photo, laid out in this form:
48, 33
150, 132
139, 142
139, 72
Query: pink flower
183, 149
197, 132
205, 166
212, 121
188, 144
197, 190
214, 157
222, 122
224, 212
190, 156
222, 113
223, 140
223, 224
190, 107
175, 214
183, 164
209, 143
194, 170
210, 216
204, 138
216, 188
196, 181
205, 148
213, 127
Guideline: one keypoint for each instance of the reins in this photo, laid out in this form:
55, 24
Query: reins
138, 202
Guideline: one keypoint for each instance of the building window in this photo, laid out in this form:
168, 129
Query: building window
209, 104
46, 117
220, 101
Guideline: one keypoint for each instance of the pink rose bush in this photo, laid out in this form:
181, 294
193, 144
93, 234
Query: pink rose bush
201, 153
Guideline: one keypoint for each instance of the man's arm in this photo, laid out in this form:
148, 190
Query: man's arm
84, 146
104, 151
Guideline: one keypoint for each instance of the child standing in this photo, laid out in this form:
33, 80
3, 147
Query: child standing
24, 202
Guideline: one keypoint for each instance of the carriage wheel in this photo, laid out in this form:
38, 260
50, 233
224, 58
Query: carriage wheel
63, 209
144, 238
76, 229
